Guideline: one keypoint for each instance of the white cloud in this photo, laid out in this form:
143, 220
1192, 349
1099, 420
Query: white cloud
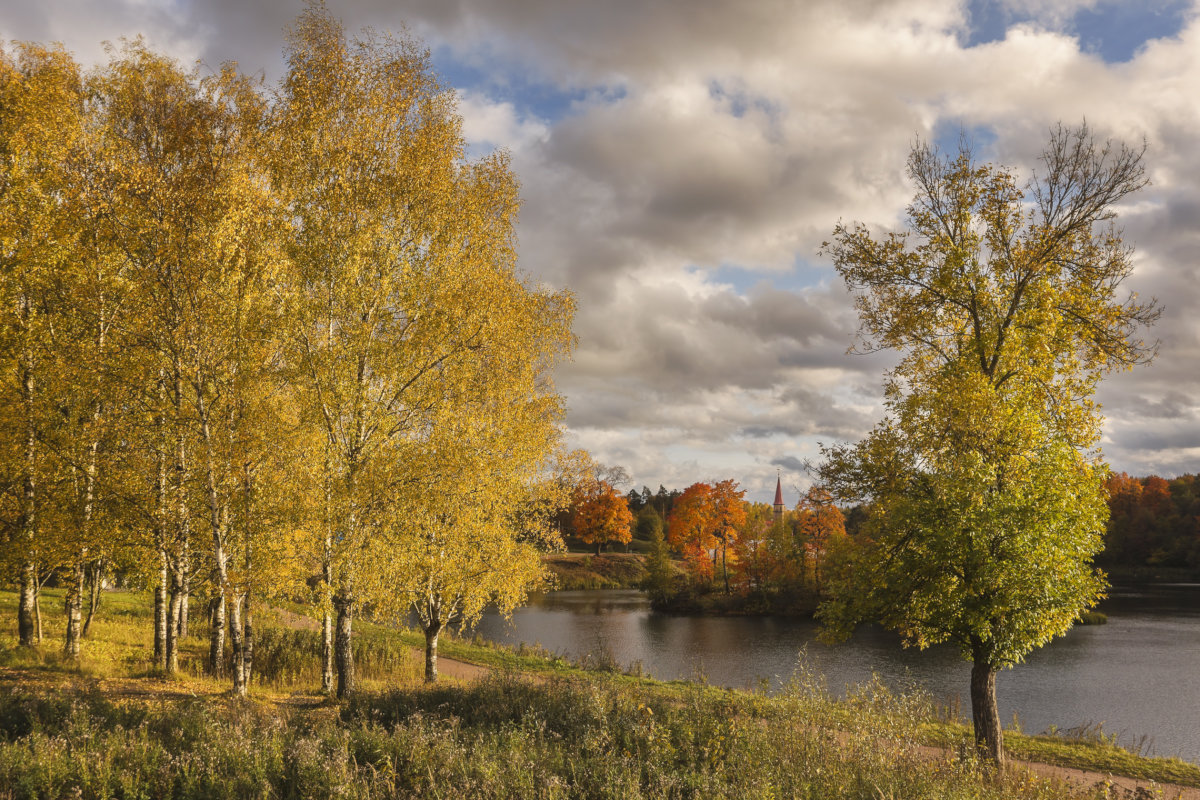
704, 149
489, 125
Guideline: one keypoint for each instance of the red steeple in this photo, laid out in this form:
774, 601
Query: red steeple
778, 501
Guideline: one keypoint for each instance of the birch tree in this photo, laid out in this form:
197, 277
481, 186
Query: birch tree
41, 99
483, 472
186, 216
391, 236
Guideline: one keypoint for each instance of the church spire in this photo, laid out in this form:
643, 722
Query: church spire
778, 499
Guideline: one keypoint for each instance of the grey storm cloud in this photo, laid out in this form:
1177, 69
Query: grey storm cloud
790, 463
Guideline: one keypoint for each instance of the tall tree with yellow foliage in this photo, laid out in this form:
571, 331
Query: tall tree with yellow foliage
481, 487
186, 211
401, 288
41, 129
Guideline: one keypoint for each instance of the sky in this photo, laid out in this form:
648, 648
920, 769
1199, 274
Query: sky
682, 161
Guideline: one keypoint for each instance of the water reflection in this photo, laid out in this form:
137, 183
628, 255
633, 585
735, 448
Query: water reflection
1136, 675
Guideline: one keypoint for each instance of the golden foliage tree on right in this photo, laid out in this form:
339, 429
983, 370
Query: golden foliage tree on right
984, 480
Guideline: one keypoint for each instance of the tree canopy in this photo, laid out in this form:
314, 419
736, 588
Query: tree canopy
259, 341
983, 482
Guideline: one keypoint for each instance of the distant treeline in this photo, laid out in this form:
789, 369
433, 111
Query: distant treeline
662, 501
1154, 522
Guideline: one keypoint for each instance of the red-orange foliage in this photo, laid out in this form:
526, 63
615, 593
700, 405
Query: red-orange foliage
1153, 522
819, 522
729, 514
690, 528
601, 515
1124, 493
1156, 494
705, 521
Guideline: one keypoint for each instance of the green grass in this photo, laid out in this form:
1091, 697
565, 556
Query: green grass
501, 737
1088, 750
538, 727
120, 641
573, 571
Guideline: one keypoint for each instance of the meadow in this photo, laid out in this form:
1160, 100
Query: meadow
531, 725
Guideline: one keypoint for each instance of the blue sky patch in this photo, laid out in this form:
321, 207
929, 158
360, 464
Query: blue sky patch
1113, 30
530, 97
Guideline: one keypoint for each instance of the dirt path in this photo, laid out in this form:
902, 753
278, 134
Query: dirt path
1132, 786
1125, 788
453, 668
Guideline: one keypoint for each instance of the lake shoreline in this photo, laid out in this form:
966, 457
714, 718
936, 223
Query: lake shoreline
1151, 640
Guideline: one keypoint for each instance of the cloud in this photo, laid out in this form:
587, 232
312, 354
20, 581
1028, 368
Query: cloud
681, 164
789, 463
489, 125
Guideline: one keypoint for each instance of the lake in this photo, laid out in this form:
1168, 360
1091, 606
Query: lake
1138, 676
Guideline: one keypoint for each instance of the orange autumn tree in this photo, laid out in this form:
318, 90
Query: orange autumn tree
690, 529
820, 522
600, 514
728, 515
704, 522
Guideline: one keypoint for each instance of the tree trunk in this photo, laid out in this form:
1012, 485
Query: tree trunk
73, 605
28, 519
95, 578
327, 671
218, 524
37, 612
85, 568
177, 624
185, 606
247, 637
27, 626
725, 565
989, 737
160, 614
327, 619
237, 641
431, 643
597, 548
343, 651
174, 609
216, 635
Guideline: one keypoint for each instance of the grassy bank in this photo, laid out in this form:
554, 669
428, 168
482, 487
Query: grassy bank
111, 728
500, 737
588, 571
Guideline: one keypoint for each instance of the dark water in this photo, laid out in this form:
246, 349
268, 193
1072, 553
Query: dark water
1138, 676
